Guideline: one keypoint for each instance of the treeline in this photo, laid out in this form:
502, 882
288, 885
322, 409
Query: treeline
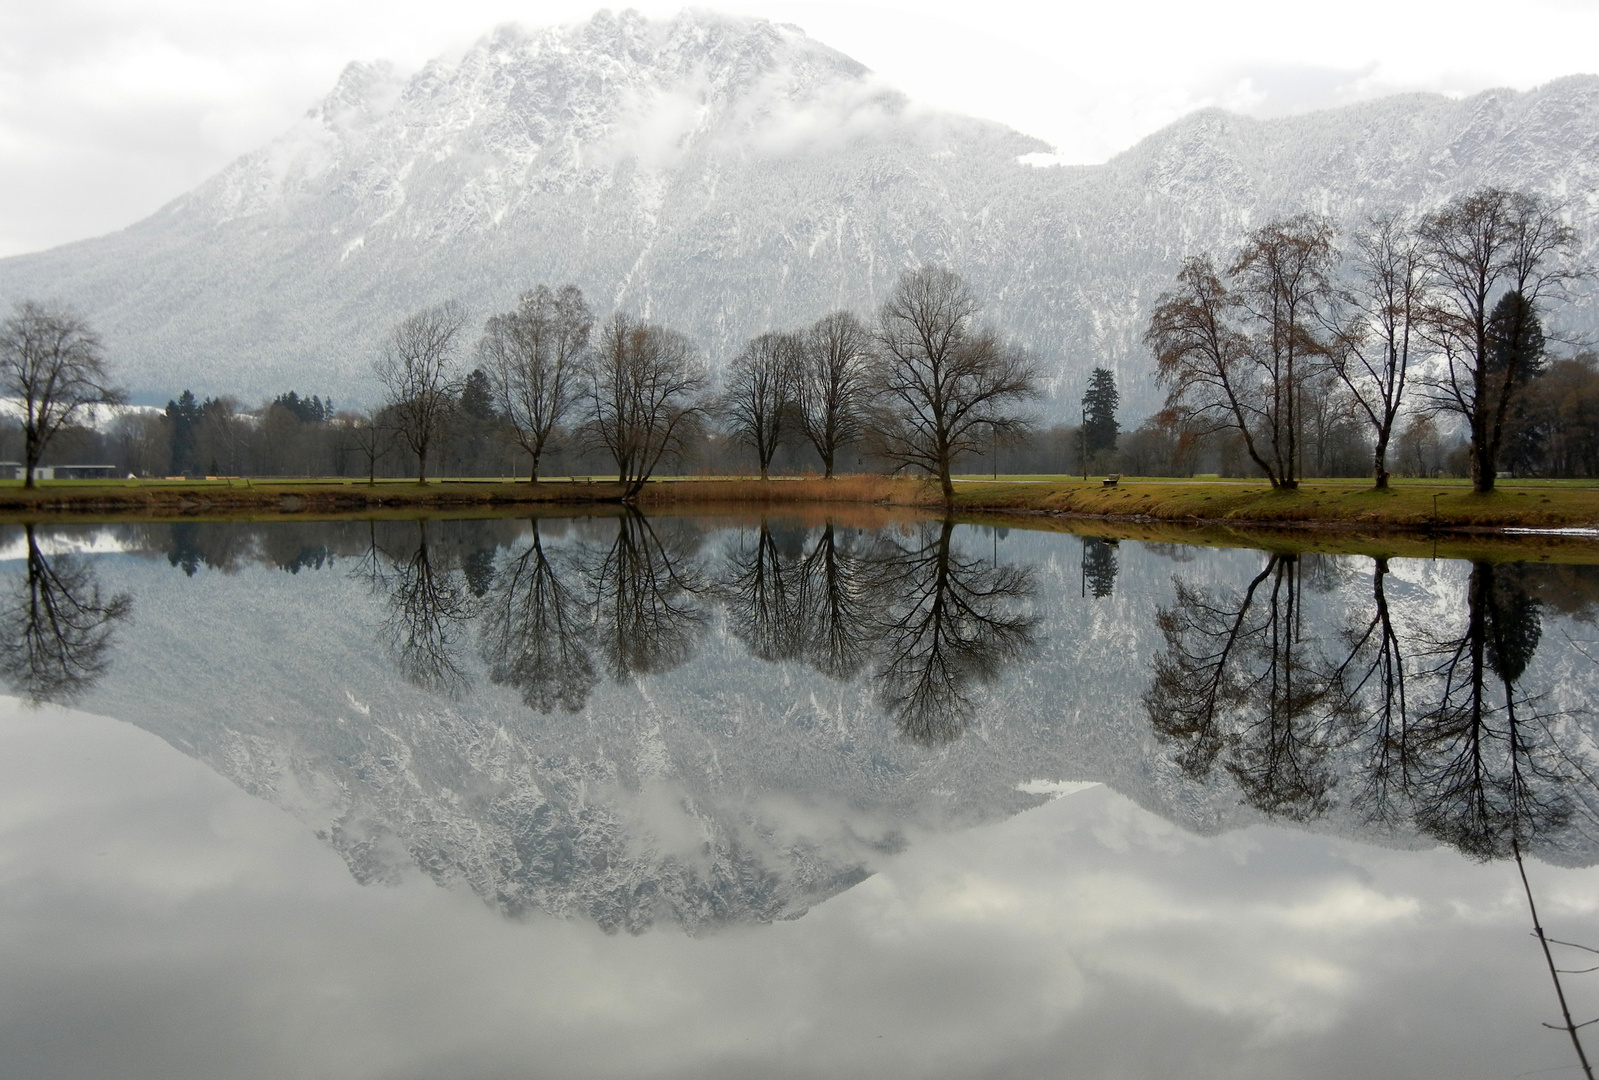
547, 385
1412, 335
1414, 346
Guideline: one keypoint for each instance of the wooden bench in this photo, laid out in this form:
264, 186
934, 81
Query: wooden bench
1112, 480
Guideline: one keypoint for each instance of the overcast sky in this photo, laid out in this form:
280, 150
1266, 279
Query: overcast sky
109, 108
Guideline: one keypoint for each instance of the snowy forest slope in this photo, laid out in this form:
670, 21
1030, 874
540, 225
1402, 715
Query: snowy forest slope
725, 176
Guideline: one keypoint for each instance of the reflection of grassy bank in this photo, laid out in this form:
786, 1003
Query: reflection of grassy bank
1389, 543
1344, 506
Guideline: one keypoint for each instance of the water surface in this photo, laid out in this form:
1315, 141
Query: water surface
673, 797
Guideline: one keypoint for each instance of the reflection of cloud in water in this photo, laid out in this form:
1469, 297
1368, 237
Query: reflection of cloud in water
1087, 938
14, 546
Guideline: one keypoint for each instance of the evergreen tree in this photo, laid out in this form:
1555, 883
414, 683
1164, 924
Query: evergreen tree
477, 396
311, 410
183, 420
1099, 411
1515, 359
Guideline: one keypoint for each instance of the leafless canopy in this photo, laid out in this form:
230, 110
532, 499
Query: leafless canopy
761, 382
1282, 280
1203, 359
53, 364
1374, 325
942, 386
643, 396
534, 354
1237, 353
418, 373
831, 390
1477, 248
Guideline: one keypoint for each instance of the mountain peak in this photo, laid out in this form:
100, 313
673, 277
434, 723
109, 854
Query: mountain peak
730, 175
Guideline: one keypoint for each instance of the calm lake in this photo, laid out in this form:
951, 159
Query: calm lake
617, 796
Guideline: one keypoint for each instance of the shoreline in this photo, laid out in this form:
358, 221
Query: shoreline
1335, 507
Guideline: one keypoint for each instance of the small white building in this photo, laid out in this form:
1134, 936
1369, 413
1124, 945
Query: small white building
12, 470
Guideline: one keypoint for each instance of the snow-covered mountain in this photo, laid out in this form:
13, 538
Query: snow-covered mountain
728, 175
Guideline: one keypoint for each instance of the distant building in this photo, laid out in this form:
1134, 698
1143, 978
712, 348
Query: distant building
12, 470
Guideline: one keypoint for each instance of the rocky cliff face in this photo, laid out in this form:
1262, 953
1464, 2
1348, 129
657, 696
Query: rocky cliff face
726, 176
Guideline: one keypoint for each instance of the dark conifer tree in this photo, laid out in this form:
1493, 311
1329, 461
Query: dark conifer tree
183, 418
477, 396
1099, 411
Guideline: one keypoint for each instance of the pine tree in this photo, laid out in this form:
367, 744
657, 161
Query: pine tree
1099, 412
477, 396
183, 417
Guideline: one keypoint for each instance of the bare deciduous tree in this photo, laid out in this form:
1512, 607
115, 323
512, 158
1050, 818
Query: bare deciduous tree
1282, 280
368, 434
831, 389
1203, 360
1372, 335
1235, 355
51, 361
1477, 248
644, 397
941, 386
417, 369
760, 391
534, 354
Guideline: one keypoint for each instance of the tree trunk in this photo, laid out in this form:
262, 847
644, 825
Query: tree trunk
947, 486
1482, 465
1379, 464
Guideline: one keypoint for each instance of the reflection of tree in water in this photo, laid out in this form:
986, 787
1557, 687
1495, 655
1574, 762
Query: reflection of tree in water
1099, 566
948, 623
429, 608
764, 588
184, 551
934, 623
1489, 770
839, 602
1375, 673
1242, 684
56, 627
535, 634
645, 592
1432, 729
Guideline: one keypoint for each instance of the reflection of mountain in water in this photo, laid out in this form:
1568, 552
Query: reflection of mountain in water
654, 722
561, 723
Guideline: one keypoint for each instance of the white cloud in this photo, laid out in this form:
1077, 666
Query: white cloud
108, 109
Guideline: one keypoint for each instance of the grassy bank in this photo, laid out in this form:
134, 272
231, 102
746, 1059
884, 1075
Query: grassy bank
224, 496
1340, 505
1408, 506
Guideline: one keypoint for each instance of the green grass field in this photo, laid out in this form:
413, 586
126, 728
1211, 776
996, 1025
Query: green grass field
1408, 504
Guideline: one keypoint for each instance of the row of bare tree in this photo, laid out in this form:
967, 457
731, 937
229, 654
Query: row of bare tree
927, 383
1436, 315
